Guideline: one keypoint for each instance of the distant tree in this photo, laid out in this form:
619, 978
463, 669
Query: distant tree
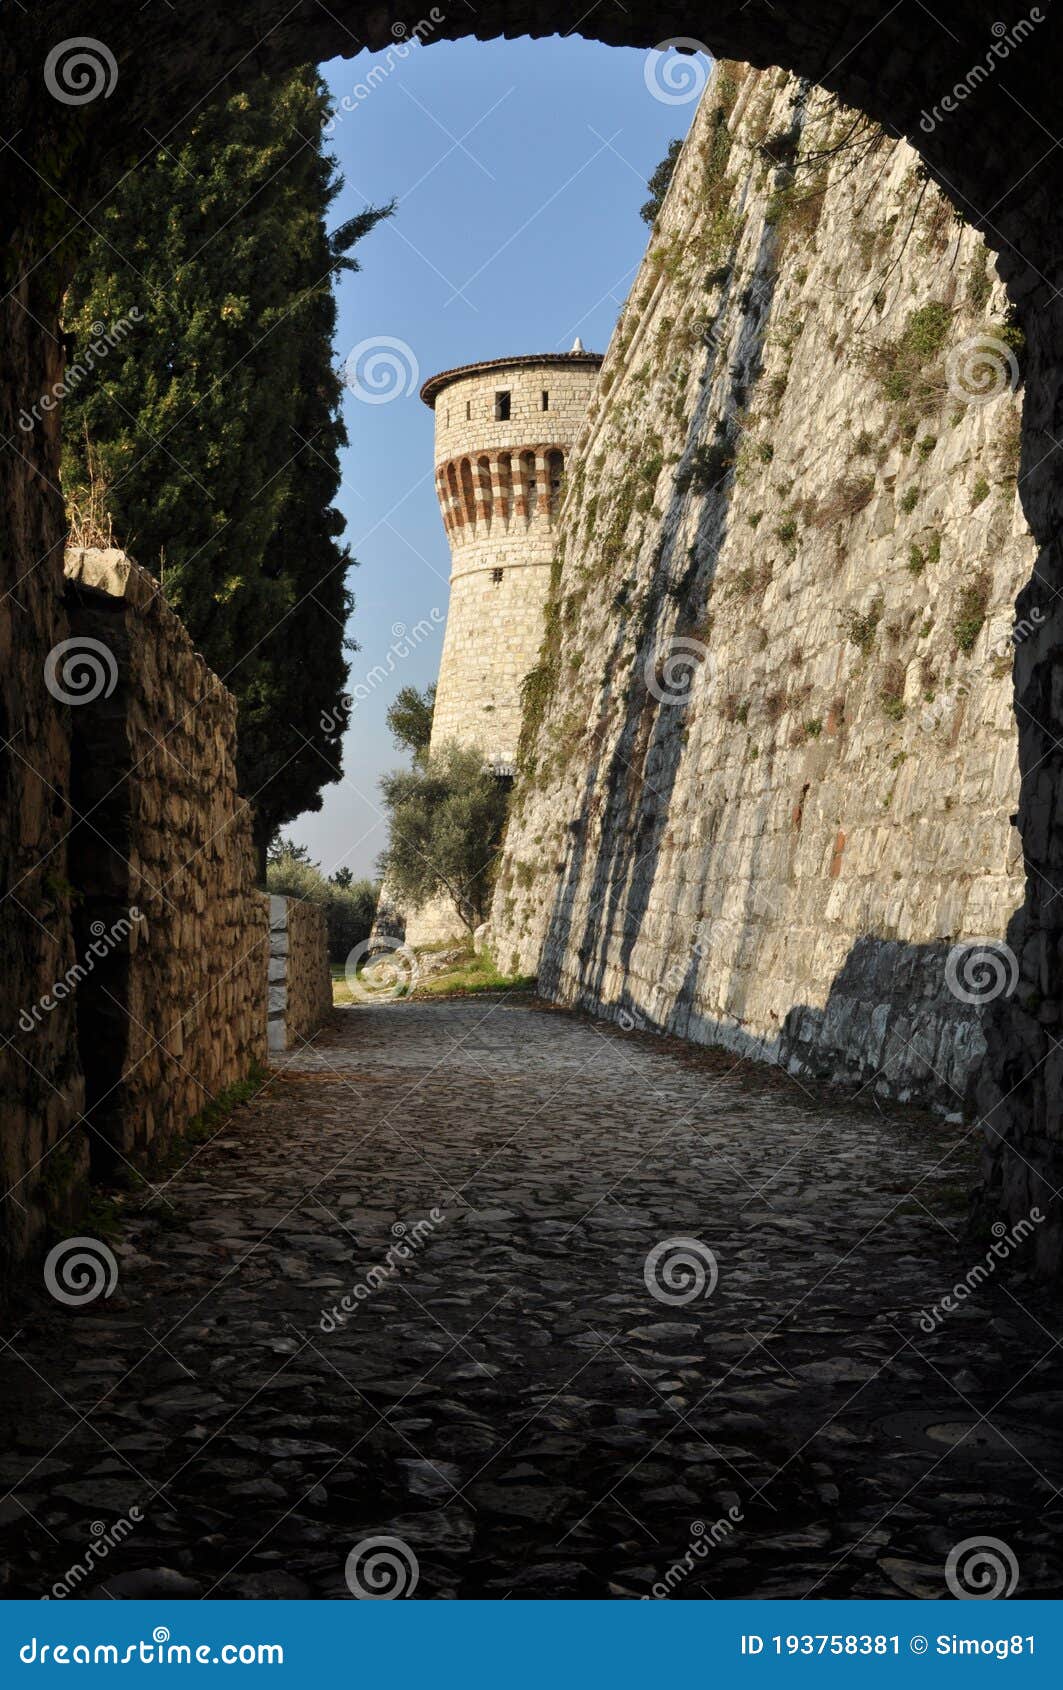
349, 904
281, 849
660, 182
410, 719
447, 816
213, 424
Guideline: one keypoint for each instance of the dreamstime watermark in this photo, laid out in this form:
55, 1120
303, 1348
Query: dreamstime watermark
981, 1569
381, 368
1005, 41
406, 39
703, 1539
404, 641
78, 1270
104, 1538
79, 70
1006, 1242
80, 670
935, 712
978, 971
105, 940
981, 369
675, 71
409, 1239
104, 340
679, 1269
159, 1651
671, 679
381, 1569
380, 969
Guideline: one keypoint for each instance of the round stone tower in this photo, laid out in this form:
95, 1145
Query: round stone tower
504, 432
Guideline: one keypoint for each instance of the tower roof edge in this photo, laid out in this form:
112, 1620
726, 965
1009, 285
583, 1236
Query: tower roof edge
434, 386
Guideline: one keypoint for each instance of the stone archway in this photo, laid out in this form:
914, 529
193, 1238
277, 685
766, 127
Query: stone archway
995, 153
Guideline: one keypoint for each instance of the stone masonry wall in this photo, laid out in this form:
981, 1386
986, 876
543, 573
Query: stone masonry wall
300, 978
769, 760
168, 924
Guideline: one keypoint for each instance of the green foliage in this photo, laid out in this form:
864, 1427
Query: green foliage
409, 719
909, 370
660, 182
214, 426
909, 500
786, 533
861, 627
446, 821
349, 904
979, 492
616, 533
705, 467
970, 614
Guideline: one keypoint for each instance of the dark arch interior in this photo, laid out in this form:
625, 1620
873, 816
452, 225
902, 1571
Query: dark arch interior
996, 157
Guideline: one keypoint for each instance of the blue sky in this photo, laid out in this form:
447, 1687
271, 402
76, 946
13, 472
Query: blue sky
519, 169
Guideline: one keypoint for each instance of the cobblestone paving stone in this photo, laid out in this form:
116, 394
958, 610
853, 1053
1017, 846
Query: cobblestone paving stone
514, 1403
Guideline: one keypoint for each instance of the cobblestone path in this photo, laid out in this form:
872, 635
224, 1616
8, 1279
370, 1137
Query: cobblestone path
524, 1402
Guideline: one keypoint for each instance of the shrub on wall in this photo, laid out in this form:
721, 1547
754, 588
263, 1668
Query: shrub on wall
349, 904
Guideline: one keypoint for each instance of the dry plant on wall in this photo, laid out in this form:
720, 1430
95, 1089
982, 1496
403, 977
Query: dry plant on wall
88, 516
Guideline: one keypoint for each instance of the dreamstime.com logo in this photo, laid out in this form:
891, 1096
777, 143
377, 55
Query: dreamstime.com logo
159, 1651
940, 708
78, 1270
676, 70
381, 368
404, 641
80, 670
980, 369
380, 969
981, 1569
103, 1539
79, 70
381, 1569
1005, 1243
1005, 40
679, 1269
104, 340
406, 39
979, 971
672, 678
703, 1539
409, 1239
104, 940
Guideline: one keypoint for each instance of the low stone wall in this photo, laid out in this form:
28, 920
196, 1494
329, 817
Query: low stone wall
300, 979
170, 932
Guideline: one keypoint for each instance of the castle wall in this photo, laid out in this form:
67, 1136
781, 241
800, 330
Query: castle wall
770, 756
172, 1006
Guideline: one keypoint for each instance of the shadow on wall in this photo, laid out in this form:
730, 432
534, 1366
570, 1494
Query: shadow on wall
648, 750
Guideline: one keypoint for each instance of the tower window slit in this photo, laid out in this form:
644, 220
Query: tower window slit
502, 401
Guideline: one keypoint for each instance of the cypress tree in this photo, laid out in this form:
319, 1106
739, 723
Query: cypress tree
211, 431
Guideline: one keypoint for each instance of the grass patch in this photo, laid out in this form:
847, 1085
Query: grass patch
474, 973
